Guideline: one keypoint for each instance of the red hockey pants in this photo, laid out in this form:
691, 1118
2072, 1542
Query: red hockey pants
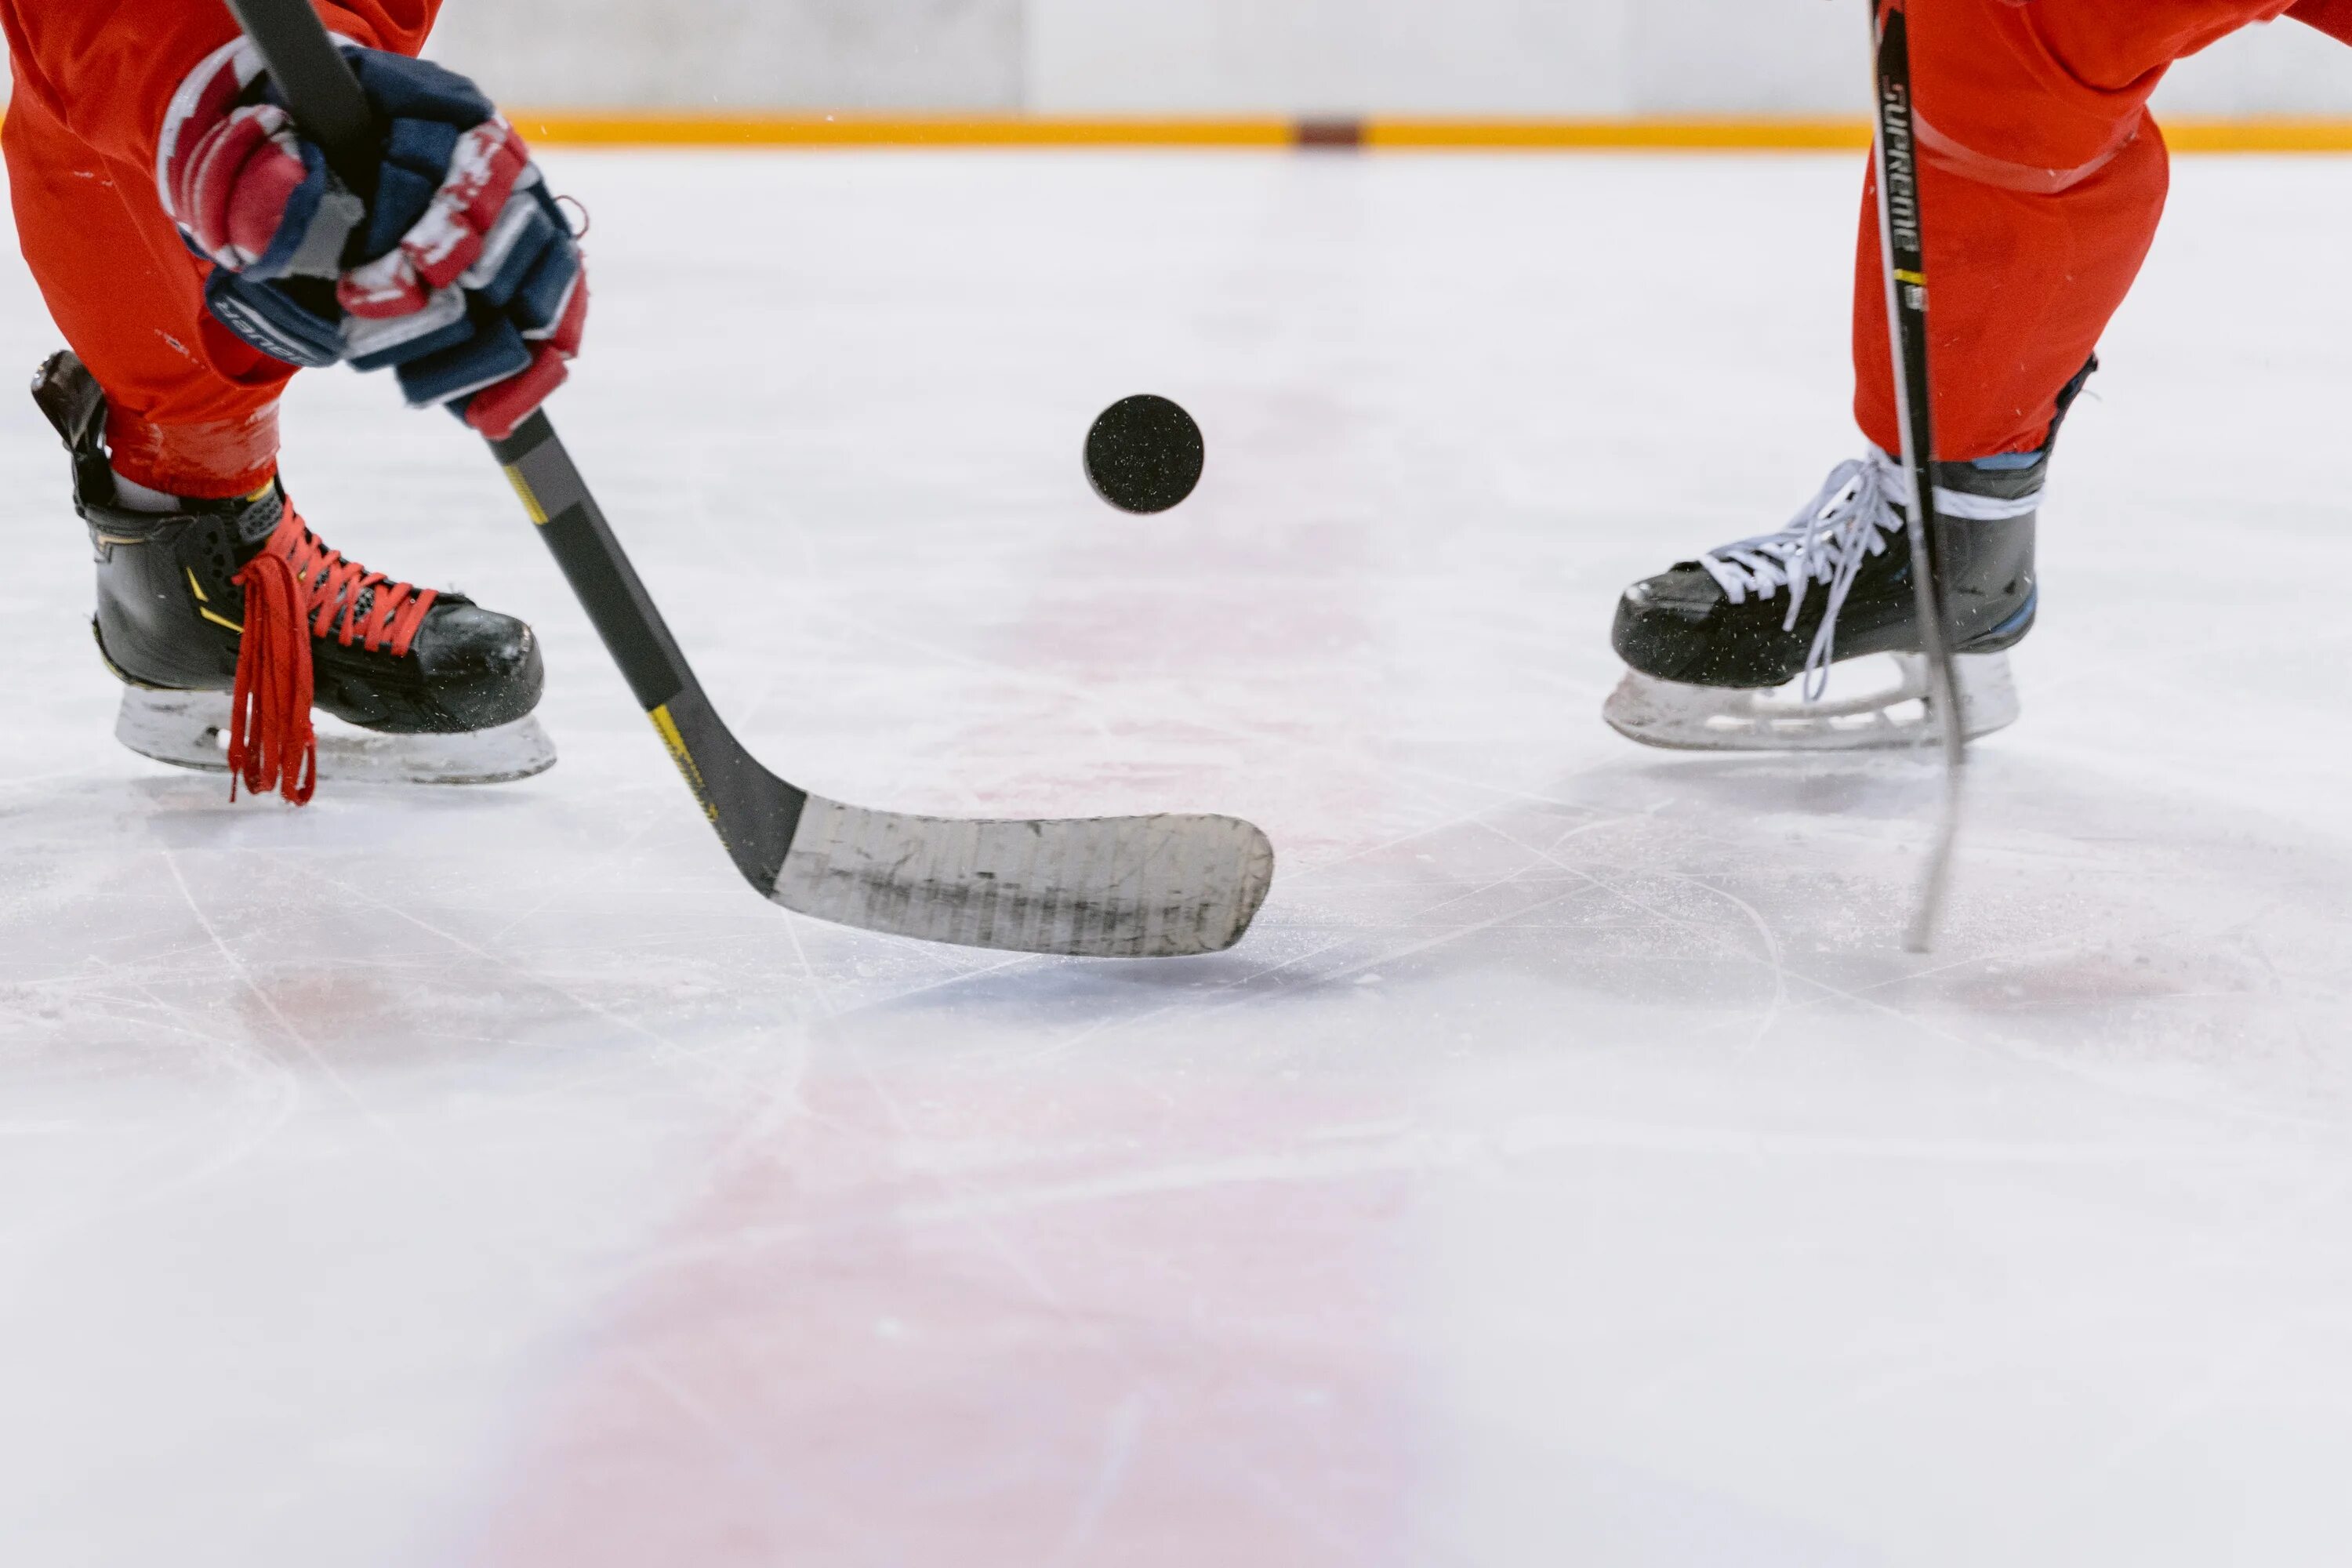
192, 409
2044, 178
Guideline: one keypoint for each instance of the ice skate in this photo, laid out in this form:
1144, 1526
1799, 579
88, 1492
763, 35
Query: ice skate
1766, 645
414, 686
1781, 643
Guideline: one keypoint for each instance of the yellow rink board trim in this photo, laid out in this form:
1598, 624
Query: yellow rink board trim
606, 129
2259, 135
1621, 135
855, 131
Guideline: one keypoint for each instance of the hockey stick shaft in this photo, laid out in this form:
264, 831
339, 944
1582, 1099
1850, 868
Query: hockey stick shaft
1902, 249
320, 88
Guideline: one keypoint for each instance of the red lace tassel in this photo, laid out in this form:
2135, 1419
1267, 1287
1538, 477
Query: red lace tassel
271, 744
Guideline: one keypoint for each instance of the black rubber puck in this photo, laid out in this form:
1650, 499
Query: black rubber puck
1145, 454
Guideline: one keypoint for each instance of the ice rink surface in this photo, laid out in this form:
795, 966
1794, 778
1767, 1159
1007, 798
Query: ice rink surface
1570, 1169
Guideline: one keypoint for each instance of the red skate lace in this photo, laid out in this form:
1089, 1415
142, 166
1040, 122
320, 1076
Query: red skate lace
296, 589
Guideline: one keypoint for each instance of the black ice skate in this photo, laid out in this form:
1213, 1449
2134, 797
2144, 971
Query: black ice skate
228, 621
1733, 651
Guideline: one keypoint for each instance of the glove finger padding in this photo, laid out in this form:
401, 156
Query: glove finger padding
496, 410
425, 236
527, 296
249, 189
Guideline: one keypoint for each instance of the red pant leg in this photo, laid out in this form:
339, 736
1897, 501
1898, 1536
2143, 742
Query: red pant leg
2042, 179
192, 409
2333, 17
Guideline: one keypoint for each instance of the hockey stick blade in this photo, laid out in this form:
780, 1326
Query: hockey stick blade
1136, 887
1160, 886
1133, 886
1153, 887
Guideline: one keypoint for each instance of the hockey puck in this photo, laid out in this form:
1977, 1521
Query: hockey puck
1145, 454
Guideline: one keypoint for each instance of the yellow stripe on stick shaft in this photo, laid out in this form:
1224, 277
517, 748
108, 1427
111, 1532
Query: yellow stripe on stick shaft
529, 501
687, 766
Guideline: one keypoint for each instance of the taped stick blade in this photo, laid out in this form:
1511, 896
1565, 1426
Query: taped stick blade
1137, 887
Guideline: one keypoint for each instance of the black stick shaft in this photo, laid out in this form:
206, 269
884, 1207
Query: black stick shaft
557, 499
1902, 242
320, 88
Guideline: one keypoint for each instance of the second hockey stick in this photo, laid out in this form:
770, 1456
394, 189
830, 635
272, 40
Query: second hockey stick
1903, 248
1146, 887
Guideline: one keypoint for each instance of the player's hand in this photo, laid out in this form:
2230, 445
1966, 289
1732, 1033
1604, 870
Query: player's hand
458, 268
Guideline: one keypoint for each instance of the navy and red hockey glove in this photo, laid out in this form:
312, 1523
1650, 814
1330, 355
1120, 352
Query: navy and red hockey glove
459, 270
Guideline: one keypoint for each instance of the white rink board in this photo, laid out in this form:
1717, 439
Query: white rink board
1533, 58
1470, 58
941, 55
1570, 1169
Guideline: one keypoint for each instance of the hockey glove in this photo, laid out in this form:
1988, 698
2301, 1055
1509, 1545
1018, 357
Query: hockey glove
457, 269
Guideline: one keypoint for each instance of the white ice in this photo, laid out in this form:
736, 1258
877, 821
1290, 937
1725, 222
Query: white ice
1570, 1169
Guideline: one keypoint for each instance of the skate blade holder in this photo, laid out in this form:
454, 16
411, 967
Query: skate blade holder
190, 730
1894, 715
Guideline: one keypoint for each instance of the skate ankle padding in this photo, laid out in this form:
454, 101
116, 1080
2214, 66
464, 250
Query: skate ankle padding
133, 495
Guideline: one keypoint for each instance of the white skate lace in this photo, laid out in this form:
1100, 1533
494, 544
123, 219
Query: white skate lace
1860, 508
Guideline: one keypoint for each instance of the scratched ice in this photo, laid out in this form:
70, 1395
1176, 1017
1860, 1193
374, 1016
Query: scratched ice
1570, 1169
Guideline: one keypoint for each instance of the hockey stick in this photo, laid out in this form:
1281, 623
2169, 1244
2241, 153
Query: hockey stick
1902, 246
1146, 887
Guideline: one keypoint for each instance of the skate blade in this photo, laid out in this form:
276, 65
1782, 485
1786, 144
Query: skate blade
190, 730
1682, 717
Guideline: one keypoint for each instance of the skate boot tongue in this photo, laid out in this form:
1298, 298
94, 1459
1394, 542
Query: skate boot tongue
1851, 519
297, 588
